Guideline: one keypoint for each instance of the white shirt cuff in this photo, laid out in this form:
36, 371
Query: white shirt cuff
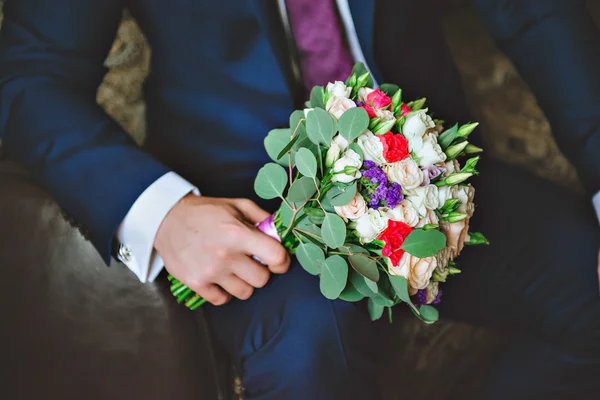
596, 201
139, 227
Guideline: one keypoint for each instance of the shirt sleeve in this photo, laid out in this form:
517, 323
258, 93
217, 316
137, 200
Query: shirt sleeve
138, 230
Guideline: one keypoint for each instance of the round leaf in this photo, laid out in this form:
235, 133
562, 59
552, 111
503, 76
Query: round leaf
401, 288
270, 181
429, 314
365, 266
302, 190
316, 97
421, 244
310, 257
334, 276
351, 294
306, 163
333, 231
359, 283
275, 142
353, 123
340, 196
371, 285
320, 127
375, 310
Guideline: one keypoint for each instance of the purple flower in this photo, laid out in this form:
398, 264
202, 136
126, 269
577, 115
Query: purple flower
420, 298
379, 192
394, 196
431, 173
359, 103
438, 298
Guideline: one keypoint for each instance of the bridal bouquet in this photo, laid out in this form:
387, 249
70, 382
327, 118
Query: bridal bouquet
373, 199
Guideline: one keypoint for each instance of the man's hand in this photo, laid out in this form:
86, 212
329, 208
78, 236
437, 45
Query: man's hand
208, 243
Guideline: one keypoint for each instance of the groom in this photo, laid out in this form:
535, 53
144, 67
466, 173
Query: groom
225, 73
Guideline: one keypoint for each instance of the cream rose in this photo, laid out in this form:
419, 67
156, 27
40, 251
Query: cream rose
428, 151
451, 167
385, 115
457, 233
336, 106
370, 225
424, 197
433, 290
430, 218
404, 212
417, 271
416, 124
371, 147
338, 89
350, 160
406, 172
353, 210
363, 93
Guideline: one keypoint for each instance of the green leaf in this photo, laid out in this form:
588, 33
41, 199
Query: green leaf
389, 88
359, 283
351, 294
327, 207
371, 285
382, 300
353, 123
351, 249
447, 137
334, 276
477, 238
310, 257
423, 244
359, 69
375, 310
340, 196
365, 266
470, 165
320, 127
429, 314
306, 163
285, 214
333, 231
315, 215
302, 189
271, 181
275, 142
400, 286
287, 148
384, 127
316, 97
310, 234
417, 104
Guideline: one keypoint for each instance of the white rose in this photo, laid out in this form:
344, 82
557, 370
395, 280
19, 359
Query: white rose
338, 89
417, 271
416, 124
433, 290
371, 147
363, 93
428, 151
406, 172
424, 197
341, 141
353, 210
370, 225
451, 167
350, 159
404, 212
445, 193
306, 111
430, 218
336, 106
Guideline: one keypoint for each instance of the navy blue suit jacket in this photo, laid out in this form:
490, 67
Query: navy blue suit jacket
220, 80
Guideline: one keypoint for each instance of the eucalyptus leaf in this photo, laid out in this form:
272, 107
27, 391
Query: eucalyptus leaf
375, 310
340, 196
429, 314
285, 213
389, 88
306, 163
353, 123
351, 249
310, 257
400, 286
316, 97
365, 266
371, 285
326, 204
351, 294
287, 148
302, 189
334, 277
382, 300
359, 283
320, 128
333, 231
271, 181
310, 234
422, 244
315, 215
275, 142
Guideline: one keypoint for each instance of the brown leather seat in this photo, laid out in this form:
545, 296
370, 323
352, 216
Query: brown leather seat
74, 329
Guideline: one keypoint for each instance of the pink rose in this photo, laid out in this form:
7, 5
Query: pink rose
353, 210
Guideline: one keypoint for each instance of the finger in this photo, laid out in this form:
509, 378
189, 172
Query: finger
236, 287
268, 250
252, 272
251, 212
214, 295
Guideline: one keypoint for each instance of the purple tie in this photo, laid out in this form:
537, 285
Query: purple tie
319, 38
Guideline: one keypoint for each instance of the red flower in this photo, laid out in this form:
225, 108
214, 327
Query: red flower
405, 110
394, 236
369, 110
395, 147
377, 99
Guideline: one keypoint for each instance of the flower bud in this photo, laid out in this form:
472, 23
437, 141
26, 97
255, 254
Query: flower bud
456, 178
373, 123
397, 100
454, 151
332, 155
466, 130
350, 170
455, 217
363, 80
417, 104
384, 127
351, 81
440, 276
454, 271
472, 149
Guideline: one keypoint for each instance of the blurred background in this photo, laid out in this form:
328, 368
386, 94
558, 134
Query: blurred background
441, 357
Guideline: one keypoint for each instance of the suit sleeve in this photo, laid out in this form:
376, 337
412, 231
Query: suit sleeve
51, 64
555, 45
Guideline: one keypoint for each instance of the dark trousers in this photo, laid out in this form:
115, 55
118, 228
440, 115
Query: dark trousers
538, 280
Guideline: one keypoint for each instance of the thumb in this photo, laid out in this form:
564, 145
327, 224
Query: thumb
250, 210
